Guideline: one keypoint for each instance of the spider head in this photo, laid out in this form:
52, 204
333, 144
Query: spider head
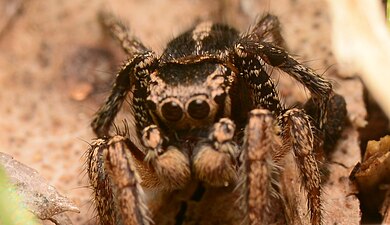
188, 96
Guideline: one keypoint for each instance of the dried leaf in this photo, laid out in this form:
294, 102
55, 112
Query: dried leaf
374, 172
375, 168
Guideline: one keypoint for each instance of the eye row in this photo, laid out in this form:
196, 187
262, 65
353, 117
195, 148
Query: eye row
197, 109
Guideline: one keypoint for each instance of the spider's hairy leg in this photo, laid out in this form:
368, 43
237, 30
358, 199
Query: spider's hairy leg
214, 159
298, 135
131, 73
319, 87
117, 29
113, 176
268, 29
255, 75
335, 121
140, 62
106, 114
257, 168
263, 38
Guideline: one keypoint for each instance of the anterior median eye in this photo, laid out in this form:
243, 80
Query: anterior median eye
172, 111
198, 109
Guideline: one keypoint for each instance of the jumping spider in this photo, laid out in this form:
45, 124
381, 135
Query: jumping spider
210, 131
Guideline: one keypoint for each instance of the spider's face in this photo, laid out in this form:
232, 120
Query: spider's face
188, 96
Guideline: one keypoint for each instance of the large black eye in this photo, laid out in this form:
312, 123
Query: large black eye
198, 109
171, 111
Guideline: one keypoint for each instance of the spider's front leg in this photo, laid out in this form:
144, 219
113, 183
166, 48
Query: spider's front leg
116, 183
257, 168
255, 58
118, 171
261, 154
214, 159
297, 134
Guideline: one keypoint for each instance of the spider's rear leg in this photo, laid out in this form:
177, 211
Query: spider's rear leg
298, 135
130, 74
118, 30
268, 29
319, 87
258, 169
335, 121
105, 116
113, 176
140, 62
214, 160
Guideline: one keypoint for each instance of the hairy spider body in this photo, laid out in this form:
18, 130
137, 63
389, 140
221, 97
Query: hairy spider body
209, 129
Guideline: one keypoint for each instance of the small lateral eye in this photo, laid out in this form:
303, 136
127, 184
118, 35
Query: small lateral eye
198, 109
171, 111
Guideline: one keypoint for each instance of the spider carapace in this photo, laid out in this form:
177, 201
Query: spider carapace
209, 130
